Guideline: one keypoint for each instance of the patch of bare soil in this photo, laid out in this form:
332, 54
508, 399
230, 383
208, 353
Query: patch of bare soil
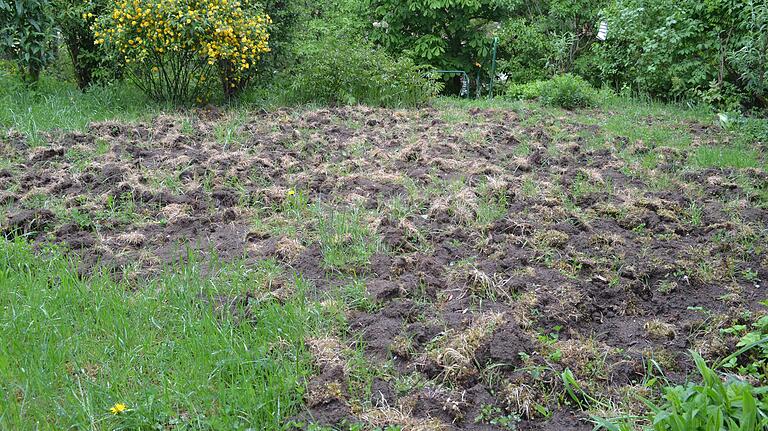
511, 249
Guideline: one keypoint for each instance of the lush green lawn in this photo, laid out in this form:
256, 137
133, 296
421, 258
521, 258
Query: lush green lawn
74, 347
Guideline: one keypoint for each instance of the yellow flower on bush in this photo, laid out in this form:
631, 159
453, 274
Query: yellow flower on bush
184, 39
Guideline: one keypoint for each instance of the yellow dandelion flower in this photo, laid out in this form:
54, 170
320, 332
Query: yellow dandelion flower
118, 408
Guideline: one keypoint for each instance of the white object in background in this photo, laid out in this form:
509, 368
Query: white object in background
602, 33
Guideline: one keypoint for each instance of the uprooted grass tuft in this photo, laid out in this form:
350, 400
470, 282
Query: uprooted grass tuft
454, 352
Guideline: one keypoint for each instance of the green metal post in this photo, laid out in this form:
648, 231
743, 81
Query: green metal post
493, 66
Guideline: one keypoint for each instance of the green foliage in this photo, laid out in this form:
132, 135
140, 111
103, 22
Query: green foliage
526, 91
26, 35
91, 63
537, 38
752, 357
525, 50
568, 92
338, 71
749, 58
712, 405
297, 23
542, 38
711, 50
447, 34
326, 59
492, 415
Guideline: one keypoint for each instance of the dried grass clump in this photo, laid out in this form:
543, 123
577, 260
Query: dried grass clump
455, 351
550, 238
328, 352
288, 248
660, 330
485, 286
381, 417
461, 206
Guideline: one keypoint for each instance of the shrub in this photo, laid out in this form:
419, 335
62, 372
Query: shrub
91, 63
171, 48
26, 36
338, 71
526, 91
525, 49
568, 92
712, 51
536, 38
298, 22
445, 34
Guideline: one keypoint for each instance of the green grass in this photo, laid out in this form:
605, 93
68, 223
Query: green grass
726, 157
345, 239
74, 346
58, 104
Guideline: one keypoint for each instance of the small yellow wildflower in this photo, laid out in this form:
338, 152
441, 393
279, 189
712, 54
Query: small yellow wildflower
291, 192
118, 408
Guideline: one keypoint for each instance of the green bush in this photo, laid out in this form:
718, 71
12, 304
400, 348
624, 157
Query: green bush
447, 34
172, 49
525, 91
321, 55
568, 92
713, 404
337, 71
297, 23
525, 50
536, 38
712, 51
91, 62
26, 36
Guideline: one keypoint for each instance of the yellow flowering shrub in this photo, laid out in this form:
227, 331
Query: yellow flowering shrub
172, 47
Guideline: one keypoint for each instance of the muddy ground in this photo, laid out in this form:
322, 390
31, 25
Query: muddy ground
496, 248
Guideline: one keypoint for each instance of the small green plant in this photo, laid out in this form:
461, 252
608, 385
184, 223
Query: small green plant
752, 357
526, 91
492, 415
694, 214
356, 296
713, 404
568, 92
492, 206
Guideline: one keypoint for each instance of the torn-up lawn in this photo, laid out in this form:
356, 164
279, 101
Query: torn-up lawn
457, 267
